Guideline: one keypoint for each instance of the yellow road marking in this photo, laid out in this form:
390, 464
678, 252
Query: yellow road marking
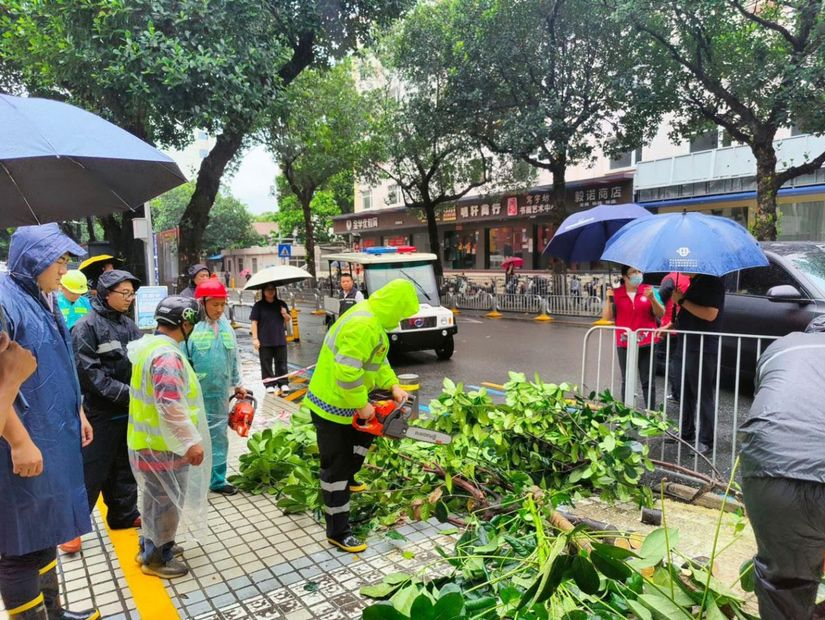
495, 386
151, 599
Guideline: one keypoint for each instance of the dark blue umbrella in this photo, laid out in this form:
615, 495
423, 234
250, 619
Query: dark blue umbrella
58, 162
686, 242
582, 236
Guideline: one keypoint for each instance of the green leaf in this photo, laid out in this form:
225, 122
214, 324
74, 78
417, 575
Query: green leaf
747, 576
612, 551
394, 535
586, 577
404, 598
662, 607
378, 590
640, 610
610, 567
397, 578
449, 607
382, 611
655, 548
422, 608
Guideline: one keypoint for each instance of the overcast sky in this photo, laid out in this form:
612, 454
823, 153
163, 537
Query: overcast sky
253, 182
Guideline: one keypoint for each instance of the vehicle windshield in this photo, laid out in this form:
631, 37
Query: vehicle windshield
420, 274
811, 262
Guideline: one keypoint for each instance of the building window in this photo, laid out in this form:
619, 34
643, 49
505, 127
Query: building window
240, 265
705, 142
626, 159
796, 131
366, 200
393, 195
505, 242
460, 249
254, 265
229, 265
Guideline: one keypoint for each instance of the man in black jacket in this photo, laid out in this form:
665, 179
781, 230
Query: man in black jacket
104, 370
197, 274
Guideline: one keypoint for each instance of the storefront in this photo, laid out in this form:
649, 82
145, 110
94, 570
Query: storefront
480, 233
802, 210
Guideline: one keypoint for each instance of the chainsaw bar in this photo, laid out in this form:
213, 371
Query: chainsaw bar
422, 434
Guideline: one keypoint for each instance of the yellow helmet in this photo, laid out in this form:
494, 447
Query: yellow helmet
75, 282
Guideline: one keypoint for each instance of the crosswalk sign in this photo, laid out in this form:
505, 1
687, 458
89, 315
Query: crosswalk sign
284, 250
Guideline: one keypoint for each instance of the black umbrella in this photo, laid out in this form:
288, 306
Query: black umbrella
58, 162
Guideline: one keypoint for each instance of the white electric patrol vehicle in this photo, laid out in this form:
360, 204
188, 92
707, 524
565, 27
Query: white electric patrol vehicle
432, 328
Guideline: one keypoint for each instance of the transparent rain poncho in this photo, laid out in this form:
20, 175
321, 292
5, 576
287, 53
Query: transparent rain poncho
213, 352
167, 418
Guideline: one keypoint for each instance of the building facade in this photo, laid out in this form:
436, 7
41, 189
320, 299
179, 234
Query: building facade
709, 174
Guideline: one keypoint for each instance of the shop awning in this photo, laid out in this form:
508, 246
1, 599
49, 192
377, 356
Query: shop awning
699, 200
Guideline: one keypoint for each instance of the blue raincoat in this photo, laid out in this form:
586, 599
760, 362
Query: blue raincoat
49, 509
214, 356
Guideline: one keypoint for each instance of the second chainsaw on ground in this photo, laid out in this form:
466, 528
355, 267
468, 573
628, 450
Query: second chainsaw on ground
392, 419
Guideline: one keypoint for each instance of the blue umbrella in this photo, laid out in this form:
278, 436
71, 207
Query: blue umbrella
59, 162
686, 242
582, 236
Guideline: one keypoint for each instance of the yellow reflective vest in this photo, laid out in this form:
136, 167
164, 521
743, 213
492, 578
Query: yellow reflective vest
353, 357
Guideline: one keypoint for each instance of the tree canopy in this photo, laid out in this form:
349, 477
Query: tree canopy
230, 222
751, 68
317, 134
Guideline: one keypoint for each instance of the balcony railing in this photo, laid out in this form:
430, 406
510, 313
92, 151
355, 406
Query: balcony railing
723, 163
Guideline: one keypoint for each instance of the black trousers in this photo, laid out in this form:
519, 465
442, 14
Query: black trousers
273, 364
788, 562
106, 469
648, 386
342, 450
20, 580
699, 389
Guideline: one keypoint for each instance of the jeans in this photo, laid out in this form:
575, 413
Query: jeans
20, 576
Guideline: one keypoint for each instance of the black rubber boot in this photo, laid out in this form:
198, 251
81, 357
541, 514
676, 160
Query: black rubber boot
50, 587
33, 610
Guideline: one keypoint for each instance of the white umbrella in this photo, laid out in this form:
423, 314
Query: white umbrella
280, 275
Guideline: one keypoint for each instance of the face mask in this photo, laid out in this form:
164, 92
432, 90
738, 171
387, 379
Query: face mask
636, 279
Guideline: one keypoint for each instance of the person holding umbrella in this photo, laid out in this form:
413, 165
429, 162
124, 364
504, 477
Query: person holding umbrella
41, 466
270, 317
197, 273
93, 267
634, 306
213, 352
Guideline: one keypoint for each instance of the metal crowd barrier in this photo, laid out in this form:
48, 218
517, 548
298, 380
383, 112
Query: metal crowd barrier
730, 361
477, 301
574, 305
519, 303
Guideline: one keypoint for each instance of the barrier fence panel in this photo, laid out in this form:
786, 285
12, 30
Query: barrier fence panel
519, 303
574, 305
478, 301
693, 376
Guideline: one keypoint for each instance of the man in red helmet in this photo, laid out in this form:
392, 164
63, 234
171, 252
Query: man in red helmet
213, 351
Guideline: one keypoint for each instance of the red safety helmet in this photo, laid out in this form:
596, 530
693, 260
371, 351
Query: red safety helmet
211, 288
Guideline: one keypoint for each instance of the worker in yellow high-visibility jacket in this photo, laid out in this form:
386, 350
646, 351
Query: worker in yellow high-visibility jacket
352, 363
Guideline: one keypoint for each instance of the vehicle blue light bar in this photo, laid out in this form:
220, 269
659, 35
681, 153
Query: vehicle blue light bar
381, 249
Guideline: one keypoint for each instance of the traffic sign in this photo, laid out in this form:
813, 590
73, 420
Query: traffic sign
284, 250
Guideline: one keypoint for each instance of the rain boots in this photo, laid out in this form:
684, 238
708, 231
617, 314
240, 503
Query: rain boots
50, 590
33, 610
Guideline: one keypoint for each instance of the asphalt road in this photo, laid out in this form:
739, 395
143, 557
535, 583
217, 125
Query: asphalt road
486, 349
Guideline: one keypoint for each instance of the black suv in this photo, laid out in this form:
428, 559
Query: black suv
773, 301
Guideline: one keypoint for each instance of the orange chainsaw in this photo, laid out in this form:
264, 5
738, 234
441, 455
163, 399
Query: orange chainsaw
242, 413
392, 420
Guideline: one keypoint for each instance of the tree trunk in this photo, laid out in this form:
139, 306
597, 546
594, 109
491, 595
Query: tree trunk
764, 222
309, 241
90, 229
196, 216
559, 196
435, 246
119, 234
